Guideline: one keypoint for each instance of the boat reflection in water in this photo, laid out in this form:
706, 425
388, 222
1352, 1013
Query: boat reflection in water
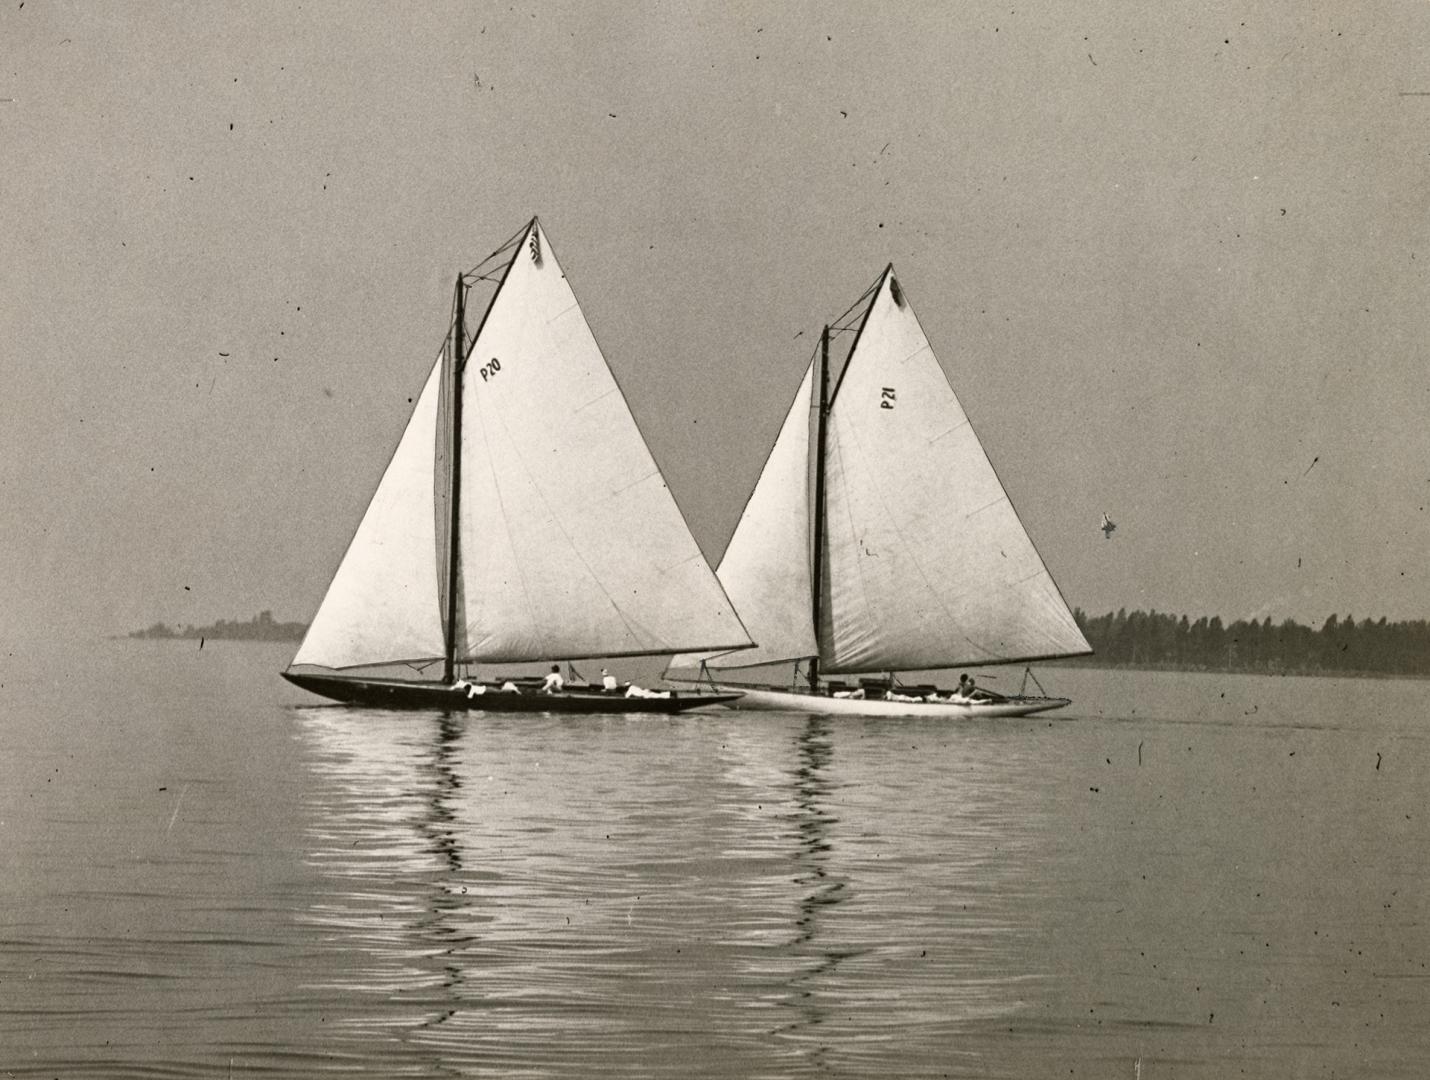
821, 889
654, 896
382, 831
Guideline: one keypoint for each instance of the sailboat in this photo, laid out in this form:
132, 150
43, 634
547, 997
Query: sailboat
878, 540
521, 518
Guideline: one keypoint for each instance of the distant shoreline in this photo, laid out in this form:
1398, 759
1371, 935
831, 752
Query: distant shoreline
262, 627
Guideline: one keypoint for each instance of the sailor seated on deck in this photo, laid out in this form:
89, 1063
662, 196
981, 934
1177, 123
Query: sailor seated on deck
636, 691
554, 683
471, 689
968, 692
608, 682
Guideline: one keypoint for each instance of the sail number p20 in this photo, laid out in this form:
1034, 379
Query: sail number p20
488, 370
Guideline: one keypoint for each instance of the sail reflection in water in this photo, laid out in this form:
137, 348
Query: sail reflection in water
203, 884
820, 890
642, 895
381, 831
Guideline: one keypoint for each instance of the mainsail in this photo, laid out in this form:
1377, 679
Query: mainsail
925, 563
570, 544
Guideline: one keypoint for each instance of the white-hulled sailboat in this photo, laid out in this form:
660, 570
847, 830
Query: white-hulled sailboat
521, 518
878, 539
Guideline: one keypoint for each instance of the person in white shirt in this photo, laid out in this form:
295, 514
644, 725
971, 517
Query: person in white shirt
554, 683
608, 681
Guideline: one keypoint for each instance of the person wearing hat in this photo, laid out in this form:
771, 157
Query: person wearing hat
608, 682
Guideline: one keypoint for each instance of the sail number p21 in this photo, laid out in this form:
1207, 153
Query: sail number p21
886, 399
487, 371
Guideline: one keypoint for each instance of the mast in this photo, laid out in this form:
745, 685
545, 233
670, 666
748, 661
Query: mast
454, 494
817, 574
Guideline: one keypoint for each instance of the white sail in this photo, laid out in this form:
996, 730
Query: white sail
571, 543
382, 604
927, 564
766, 567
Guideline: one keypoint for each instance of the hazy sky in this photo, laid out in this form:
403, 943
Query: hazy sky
1173, 258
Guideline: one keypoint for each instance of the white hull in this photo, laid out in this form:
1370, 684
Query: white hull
769, 699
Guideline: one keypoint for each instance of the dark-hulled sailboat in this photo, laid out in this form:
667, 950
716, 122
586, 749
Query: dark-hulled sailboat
521, 518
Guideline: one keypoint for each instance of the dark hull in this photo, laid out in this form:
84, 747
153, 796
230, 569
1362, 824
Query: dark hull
397, 694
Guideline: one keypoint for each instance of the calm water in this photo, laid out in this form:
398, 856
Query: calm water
205, 874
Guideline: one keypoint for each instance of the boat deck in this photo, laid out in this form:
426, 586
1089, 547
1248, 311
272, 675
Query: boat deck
405, 694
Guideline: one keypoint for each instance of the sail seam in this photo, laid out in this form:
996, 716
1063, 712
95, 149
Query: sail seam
924, 348
635, 483
945, 434
597, 400
987, 506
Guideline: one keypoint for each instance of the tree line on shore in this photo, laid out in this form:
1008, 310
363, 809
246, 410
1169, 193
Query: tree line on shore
1344, 646
1147, 639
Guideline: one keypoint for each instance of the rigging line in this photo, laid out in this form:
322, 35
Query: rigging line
511, 242
863, 322
862, 297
